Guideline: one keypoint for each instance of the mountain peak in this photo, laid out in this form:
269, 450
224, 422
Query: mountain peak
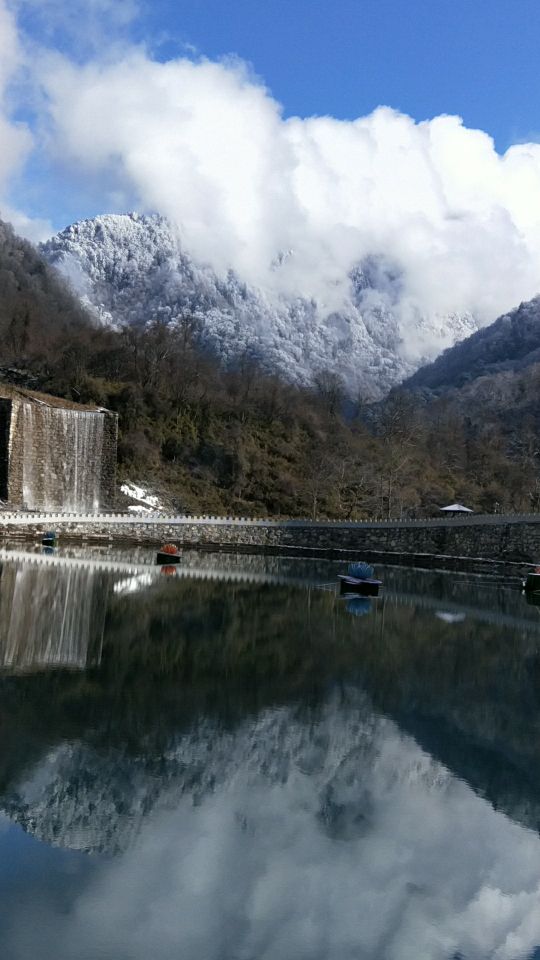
132, 268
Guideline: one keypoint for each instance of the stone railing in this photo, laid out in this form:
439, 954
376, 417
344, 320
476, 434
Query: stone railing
469, 520
494, 537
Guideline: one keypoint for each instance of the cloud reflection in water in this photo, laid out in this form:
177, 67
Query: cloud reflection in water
329, 837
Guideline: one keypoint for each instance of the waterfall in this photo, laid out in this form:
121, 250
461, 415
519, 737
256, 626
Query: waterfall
51, 617
61, 458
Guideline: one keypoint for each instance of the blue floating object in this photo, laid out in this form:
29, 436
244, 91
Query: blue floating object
359, 606
361, 570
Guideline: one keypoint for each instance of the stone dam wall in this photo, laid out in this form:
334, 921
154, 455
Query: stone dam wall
55, 455
500, 539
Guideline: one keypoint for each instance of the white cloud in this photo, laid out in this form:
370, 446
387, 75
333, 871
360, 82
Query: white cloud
35, 229
87, 26
206, 144
15, 138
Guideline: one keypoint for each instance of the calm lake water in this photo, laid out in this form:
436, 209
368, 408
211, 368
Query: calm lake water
231, 762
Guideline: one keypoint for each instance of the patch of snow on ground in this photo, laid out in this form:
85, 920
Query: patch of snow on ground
146, 500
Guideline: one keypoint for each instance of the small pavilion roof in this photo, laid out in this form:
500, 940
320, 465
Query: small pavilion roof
456, 508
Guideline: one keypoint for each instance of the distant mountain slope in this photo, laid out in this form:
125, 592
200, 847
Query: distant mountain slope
133, 269
508, 345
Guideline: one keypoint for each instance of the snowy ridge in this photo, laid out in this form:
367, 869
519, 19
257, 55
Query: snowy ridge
132, 269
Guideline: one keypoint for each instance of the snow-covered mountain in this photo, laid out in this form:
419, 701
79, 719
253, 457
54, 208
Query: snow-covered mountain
133, 269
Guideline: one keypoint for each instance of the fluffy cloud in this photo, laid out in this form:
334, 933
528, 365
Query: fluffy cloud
85, 26
15, 138
207, 145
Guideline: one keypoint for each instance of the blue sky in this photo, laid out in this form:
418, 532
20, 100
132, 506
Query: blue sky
476, 58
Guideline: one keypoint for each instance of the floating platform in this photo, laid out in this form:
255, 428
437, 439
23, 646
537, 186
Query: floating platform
531, 584
365, 587
169, 553
168, 557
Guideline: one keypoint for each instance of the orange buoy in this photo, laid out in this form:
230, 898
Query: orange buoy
168, 548
168, 553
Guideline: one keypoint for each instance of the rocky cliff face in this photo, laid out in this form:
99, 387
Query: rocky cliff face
133, 269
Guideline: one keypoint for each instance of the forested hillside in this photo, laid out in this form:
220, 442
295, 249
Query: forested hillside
510, 344
238, 439
36, 307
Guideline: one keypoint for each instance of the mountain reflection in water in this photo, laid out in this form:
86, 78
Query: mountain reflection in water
244, 765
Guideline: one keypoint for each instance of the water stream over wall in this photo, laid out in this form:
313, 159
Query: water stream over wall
62, 457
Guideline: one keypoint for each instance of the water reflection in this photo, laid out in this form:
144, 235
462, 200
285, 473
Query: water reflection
358, 606
51, 616
448, 617
250, 771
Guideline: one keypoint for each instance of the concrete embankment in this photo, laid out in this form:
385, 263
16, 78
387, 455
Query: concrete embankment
453, 543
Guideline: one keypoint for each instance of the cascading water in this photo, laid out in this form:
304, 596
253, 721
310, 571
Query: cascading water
62, 457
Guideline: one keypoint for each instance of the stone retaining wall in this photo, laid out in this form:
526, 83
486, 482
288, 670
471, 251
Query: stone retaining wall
502, 541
